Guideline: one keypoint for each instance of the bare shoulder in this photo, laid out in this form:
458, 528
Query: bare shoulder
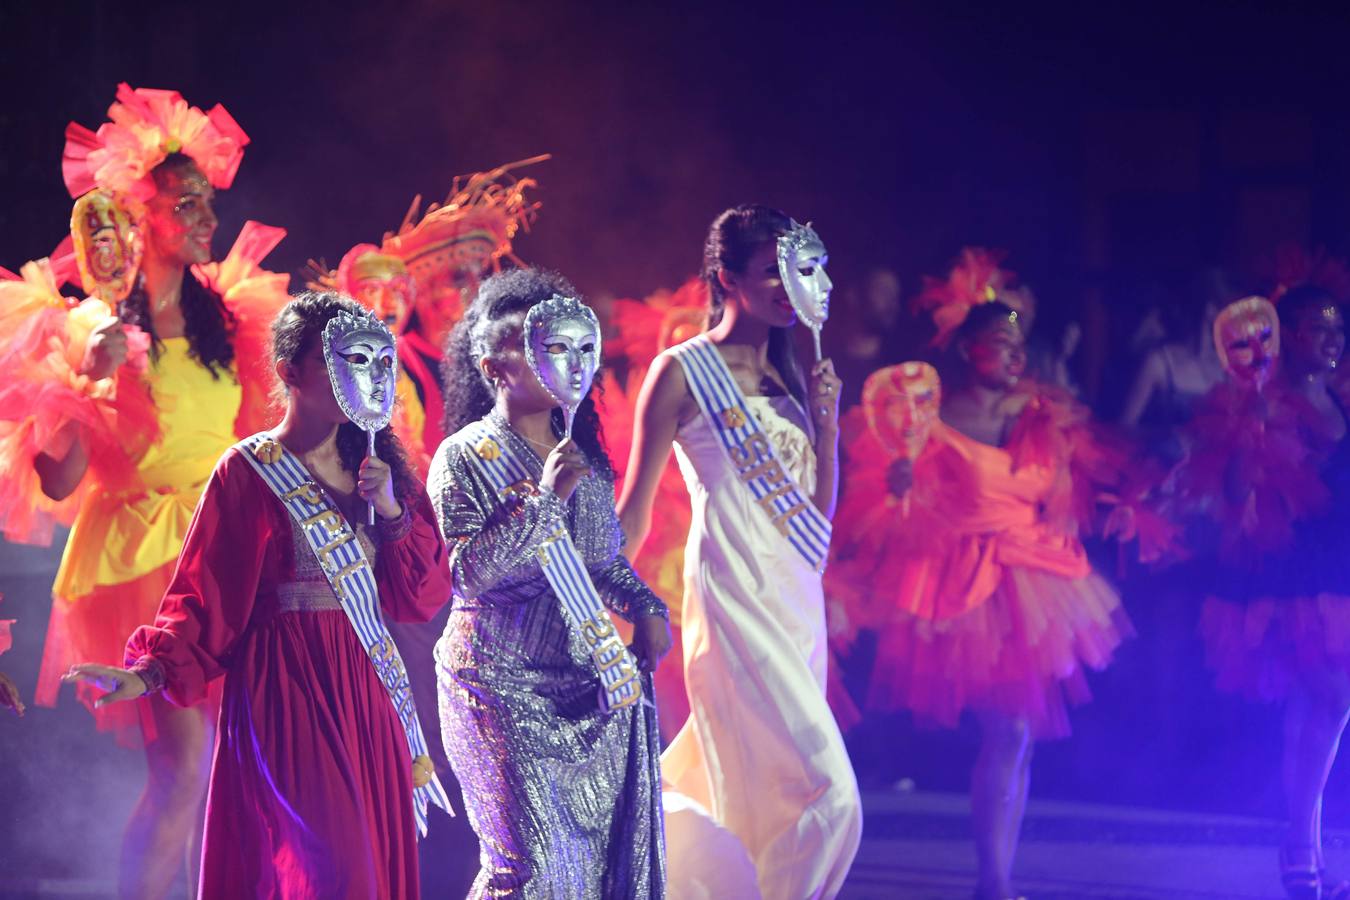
666, 390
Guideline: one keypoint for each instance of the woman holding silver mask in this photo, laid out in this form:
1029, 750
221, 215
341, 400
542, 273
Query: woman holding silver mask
757, 442
546, 715
321, 780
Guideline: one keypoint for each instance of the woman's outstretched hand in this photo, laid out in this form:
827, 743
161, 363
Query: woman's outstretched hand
121, 684
9, 695
651, 641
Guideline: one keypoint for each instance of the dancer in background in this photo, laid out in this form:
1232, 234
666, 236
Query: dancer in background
1270, 473
546, 719
983, 598
147, 180
321, 779
761, 752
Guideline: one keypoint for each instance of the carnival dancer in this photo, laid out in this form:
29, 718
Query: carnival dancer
984, 600
761, 753
546, 716
1270, 472
146, 183
321, 780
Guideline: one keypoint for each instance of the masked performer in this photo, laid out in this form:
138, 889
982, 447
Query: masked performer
1270, 469
382, 284
546, 715
756, 441
321, 778
146, 183
996, 609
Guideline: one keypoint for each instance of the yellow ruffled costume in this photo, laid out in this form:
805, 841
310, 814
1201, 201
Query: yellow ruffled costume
137, 501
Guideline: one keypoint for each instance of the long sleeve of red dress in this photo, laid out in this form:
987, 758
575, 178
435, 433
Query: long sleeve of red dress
311, 788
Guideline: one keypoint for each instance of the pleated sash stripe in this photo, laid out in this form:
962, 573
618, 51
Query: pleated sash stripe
716, 392
566, 574
358, 594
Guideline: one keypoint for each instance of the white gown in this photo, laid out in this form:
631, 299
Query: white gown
761, 752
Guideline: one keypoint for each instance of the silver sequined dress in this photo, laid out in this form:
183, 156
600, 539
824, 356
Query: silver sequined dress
566, 801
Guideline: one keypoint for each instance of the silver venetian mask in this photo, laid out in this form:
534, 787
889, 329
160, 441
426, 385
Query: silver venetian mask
362, 364
562, 347
801, 265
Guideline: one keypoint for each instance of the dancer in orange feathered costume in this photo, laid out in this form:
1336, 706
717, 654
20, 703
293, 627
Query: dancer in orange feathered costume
957, 542
133, 410
1269, 475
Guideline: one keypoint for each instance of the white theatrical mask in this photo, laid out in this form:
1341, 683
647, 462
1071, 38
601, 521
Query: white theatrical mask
362, 365
562, 347
801, 265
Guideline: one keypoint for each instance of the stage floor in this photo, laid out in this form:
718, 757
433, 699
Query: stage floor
916, 846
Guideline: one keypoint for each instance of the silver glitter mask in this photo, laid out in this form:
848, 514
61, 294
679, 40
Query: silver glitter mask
562, 347
362, 364
801, 265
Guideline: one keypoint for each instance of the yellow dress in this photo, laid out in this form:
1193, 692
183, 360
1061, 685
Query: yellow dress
126, 538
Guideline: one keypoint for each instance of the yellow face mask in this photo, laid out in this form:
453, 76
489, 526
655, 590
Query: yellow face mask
108, 245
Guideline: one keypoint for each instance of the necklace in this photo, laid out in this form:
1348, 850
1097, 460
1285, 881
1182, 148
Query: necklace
548, 448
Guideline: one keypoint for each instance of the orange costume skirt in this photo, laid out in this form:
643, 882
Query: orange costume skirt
978, 603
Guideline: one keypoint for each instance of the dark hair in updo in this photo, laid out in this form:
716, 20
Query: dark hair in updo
491, 321
733, 238
207, 324
296, 331
1299, 300
953, 366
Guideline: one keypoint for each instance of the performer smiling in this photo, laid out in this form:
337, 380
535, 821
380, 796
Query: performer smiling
143, 225
546, 716
761, 752
321, 777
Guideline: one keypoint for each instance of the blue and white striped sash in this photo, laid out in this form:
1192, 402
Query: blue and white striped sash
349, 573
751, 452
583, 610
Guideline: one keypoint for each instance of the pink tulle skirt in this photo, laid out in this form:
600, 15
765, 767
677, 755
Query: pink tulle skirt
1022, 653
1263, 648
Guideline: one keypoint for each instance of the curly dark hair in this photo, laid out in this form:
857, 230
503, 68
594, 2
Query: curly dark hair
493, 319
296, 330
732, 239
207, 324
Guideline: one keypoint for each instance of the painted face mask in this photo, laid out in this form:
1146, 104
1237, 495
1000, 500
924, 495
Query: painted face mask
801, 265
381, 283
902, 404
1247, 339
108, 245
562, 347
363, 367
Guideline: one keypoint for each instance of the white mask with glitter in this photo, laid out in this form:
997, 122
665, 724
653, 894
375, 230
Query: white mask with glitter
801, 265
363, 367
562, 347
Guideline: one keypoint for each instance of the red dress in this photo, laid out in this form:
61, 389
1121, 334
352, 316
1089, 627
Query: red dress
311, 786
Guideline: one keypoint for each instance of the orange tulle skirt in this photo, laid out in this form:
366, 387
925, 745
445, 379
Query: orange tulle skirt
1263, 648
1022, 653
95, 629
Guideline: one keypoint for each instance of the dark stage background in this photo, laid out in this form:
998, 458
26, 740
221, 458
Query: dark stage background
1110, 149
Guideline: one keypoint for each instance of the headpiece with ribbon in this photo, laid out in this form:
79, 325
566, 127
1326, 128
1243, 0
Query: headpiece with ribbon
146, 126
